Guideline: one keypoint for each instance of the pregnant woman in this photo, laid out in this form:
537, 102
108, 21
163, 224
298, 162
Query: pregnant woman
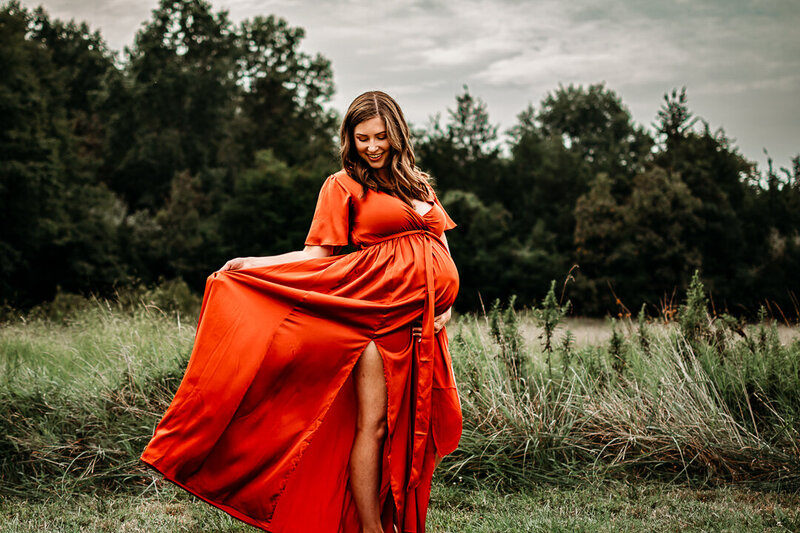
319, 395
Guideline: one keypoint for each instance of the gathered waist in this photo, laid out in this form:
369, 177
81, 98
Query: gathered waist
400, 235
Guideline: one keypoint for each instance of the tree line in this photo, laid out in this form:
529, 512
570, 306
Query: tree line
207, 139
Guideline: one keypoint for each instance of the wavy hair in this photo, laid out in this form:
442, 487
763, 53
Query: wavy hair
405, 180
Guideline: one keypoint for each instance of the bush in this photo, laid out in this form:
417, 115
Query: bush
655, 402
171, 297
79, 399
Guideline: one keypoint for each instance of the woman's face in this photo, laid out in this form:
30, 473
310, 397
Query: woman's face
372, 142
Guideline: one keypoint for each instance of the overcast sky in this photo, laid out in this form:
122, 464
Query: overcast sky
739, 59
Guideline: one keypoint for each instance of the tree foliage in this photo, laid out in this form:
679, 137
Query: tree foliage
584, 186
57, 223
207, 139
118, 172
594, 123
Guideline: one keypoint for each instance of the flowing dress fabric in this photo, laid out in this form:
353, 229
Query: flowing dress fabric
263, 422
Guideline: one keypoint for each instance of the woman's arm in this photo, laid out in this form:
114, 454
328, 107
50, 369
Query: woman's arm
309, 252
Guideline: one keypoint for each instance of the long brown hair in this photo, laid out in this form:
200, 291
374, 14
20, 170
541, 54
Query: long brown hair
405, 180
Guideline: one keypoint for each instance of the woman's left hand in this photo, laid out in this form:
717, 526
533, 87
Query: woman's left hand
438, 324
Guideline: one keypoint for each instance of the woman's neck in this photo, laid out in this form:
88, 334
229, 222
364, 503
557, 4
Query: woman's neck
383, 173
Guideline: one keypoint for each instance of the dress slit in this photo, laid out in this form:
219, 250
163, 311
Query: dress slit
319, 469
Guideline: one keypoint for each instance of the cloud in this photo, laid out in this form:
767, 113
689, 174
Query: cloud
615, 50
787, 83
511, 52
477, 32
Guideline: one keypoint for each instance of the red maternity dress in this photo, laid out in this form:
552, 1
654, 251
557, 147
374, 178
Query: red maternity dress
263, 422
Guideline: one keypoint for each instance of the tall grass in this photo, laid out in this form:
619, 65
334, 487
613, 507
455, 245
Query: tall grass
707, 400
704, 400
81, 390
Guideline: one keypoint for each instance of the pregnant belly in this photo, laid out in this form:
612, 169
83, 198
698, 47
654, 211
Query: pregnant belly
445, 278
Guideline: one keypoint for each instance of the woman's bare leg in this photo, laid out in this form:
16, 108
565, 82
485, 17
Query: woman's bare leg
365, 458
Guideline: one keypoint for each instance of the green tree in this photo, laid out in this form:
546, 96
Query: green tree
270, 209
771, 220
189, 231
464, 158
598, 235
463, 153
578, 135
470, 127
644, 247
541, 185
715, 173
480, 248
593, 123
57, 225
675, 120
661, 220
283, 95
175, 101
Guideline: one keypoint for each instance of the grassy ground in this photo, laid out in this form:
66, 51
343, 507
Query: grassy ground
608, 506
701, 403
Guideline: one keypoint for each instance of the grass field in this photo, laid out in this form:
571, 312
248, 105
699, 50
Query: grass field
615, 426
604, 507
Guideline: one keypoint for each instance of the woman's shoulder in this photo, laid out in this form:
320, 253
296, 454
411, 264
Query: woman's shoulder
343, 180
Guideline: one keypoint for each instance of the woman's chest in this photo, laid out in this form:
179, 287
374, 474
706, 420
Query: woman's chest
378, 215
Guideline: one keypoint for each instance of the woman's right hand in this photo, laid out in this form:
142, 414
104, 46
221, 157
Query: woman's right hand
237, 263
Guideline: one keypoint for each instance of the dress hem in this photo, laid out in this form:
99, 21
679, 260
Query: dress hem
235, 513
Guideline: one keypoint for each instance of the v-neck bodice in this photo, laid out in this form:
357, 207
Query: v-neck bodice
376, 215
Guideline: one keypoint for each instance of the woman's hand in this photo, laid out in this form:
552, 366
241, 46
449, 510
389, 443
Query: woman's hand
441, 320
438, 324
237, 263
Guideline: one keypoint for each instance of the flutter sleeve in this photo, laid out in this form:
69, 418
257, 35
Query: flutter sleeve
448, 222
331, 223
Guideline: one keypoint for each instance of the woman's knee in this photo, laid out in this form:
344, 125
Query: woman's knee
374, 428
